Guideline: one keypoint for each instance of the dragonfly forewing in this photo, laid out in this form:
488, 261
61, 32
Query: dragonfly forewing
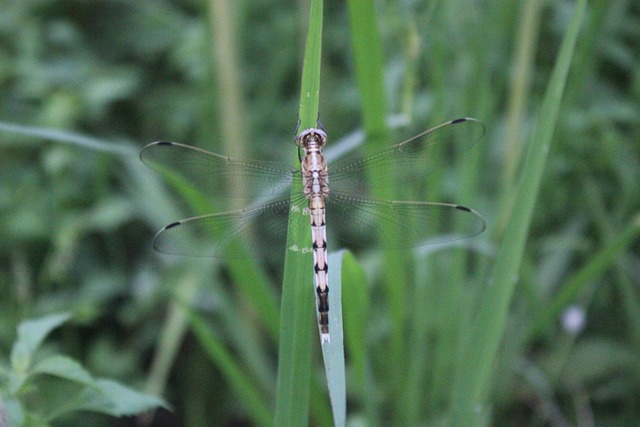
215, 174
407, 161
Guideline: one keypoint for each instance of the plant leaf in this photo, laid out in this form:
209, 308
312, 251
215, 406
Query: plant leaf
31, 333
64, 367
294, 353
481, 342
112, 398
333, 351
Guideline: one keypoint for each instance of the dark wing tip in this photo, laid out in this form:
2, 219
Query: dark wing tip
159, 242
160, 143
144, 152
465, 119
173, 224
480, 223
479, 126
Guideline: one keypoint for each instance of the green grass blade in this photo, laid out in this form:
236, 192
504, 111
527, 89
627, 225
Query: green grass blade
71, 138
296, 311
237, 379
161, 207
473, 378
333, 352
355, 312
368, 62
171, 336
250, 279
355, 308
519, 95
582, 278
252, 282
228, 75
423, 296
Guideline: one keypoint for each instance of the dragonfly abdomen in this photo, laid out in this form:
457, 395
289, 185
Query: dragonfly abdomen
315, 178
321, 267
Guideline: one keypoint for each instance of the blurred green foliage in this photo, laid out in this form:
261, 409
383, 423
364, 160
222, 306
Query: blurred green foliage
41, 387
76, 223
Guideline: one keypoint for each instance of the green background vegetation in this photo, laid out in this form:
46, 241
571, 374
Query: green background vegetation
78, 210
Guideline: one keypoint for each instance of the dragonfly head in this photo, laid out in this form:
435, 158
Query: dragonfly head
311, 137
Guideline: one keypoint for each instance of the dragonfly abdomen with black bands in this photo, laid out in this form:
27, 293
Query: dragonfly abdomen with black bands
315, 180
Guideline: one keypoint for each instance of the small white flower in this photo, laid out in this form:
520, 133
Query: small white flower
574, 319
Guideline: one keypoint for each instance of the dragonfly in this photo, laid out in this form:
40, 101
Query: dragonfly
339, 195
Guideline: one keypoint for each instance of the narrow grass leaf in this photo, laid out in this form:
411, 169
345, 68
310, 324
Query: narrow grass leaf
251, 280
419, 357
173, 328
473, 378
333, 351
581, 279
236, 377
71, 138
356, 308
296, 310
368, 63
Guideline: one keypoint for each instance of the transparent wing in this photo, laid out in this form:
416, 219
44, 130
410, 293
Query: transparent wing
245, 233
392, 165
360, 221
399, 224
215, 174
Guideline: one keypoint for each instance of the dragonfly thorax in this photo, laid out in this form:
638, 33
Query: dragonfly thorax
311, 138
